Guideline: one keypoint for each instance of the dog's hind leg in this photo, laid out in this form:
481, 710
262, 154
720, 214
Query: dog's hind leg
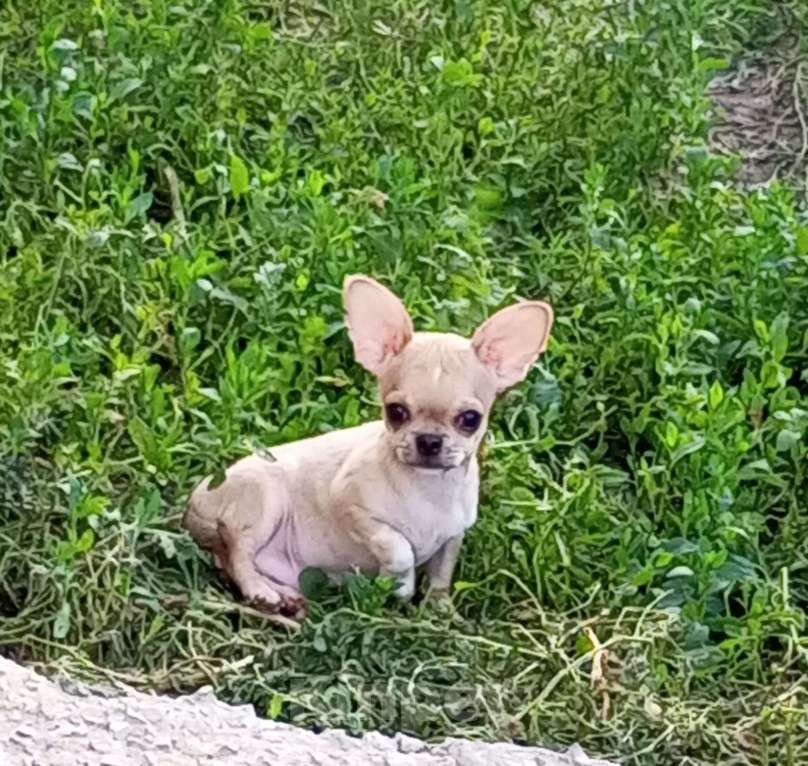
246, 511
255, 587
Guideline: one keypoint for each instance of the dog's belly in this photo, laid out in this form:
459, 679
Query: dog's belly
300, 542
427, 539
279, 558
306, 537
274, 563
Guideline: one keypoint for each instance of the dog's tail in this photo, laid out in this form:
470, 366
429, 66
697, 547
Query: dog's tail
201, 516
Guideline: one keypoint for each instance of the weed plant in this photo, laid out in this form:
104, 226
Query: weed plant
184, 185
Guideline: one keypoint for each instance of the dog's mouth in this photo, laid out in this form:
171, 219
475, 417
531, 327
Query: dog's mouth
432, 465
429, 464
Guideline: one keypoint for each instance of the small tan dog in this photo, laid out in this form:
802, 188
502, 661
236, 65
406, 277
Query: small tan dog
384, 497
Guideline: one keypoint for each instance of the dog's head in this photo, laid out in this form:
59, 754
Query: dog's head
438, 388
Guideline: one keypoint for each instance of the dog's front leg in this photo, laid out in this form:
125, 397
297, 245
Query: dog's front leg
388, 546
440, 568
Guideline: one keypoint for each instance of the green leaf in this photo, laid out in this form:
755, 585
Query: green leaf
802, 240
487, 197
61, 625
688, 448
460, 74
779, 337
139, 205
680, 546
735, 569
787, 439
671, 434
225, 296
712, 63
275, 706
696, 636
662, 559
315, 182
319, 644
486, 126
771, 375
68, 161
122, 89
716, 395
154, 628
313, 583
522, 495
190, 338
64, 44
710, 337
239, 177
681, 571
643, 577
218, 477
147, 508
203, 175
261, 31
86, 541
167, 544
210, 393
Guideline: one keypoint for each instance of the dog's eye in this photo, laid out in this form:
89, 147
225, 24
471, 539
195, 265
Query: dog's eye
397, 414
469, 421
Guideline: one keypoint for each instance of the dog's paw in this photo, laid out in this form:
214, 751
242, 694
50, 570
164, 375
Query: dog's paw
263, 597
273, 603
405, 589
438, 595
439, 600
295, 607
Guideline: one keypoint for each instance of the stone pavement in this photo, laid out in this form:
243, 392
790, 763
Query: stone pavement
55, 723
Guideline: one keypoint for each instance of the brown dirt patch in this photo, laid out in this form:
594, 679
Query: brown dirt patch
761, 112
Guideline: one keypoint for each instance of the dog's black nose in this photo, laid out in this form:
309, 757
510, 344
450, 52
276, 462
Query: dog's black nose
428, 445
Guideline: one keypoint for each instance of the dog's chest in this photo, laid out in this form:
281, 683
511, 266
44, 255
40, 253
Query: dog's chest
429, 516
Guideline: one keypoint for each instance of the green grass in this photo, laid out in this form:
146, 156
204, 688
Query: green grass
183, 186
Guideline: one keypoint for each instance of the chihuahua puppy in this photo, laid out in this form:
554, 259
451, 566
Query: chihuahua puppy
385, 497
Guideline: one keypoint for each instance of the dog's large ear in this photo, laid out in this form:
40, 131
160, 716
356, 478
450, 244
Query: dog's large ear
377, 321
510, 341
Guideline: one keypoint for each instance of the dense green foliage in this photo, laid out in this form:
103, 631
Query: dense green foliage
183, 186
